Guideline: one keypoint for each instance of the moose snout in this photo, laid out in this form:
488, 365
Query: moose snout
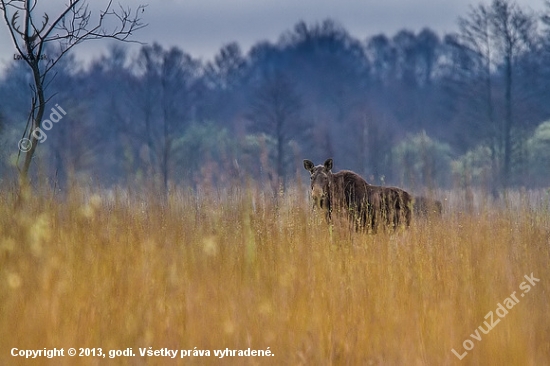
317, 192
318, 195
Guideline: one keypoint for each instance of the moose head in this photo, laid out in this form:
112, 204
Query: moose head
321, 177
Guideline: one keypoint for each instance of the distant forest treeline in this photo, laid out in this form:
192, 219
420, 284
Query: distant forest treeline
413, 109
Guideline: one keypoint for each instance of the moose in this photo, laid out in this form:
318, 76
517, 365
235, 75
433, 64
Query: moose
426, 207
367, 206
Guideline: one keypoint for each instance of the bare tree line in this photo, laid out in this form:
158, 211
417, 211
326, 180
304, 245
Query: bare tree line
162, 116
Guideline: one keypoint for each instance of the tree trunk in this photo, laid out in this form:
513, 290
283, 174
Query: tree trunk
280, 154
507, 122
36, 119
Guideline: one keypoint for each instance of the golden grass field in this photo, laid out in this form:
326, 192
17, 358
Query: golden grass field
242, 270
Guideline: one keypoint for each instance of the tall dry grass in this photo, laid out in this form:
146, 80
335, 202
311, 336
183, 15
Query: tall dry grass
242, 269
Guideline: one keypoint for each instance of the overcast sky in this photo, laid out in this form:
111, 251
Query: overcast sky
201, 27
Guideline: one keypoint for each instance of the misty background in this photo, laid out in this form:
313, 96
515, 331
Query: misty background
201, 28
421, 95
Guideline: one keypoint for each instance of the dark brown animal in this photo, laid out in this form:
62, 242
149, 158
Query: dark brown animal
347, 193
426, 207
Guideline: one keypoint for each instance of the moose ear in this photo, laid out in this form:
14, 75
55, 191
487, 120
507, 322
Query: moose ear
308, 165
328, 164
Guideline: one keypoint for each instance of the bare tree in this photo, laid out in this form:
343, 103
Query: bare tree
494, 38
33, 37
165, 98
371, 136
179, 84
477, 45
276, 111
513, 31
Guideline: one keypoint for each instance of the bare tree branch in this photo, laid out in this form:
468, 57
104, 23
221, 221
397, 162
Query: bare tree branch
71, 27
